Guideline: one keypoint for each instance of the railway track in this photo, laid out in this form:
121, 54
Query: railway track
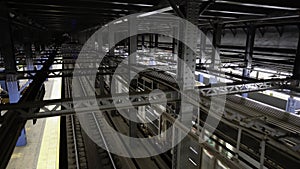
75, 144
167, 81
96, 122
108, 160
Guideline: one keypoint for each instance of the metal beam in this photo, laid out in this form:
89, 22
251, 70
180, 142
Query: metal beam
53, 73
216, 42
136, 97
243, 87
6, 43
132, 59
186, 81
296, 70
13, 124
249, 51
176, 9
86, 4
205, 5
249, 45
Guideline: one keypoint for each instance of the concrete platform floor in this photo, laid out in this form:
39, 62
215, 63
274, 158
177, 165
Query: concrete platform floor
42, 148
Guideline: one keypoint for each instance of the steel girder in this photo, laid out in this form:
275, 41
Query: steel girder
140, 98
60, 73
13, 122
216, 90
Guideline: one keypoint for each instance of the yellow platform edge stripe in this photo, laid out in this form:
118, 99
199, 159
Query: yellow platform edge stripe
50, 146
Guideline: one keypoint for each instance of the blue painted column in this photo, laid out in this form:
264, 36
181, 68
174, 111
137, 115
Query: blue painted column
201, 78
251, 30
14, 96
2, 82
291, 105
8, 54
246, 73
213, 80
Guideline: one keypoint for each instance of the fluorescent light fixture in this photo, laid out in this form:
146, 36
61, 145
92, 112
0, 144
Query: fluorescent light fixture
120, 21
144, 5
259, 5
223, 17
156, 12
120, 3
238, 13
124, 3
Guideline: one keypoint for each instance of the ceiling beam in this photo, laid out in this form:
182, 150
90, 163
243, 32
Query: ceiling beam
74, 4
292, 4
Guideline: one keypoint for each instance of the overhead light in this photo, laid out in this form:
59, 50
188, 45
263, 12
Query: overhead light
156, 12
238, 13
12, 15
124, 3
259, 5
120, 3
117, 22
144, 5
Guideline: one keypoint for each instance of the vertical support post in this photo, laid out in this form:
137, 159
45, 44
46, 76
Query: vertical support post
262, 153
7, 48
217, 35
201, 78
150, 41
182, 150
296, 70
175, 42
249, 52
28, 50
43, 47
132, 61
238, 143
99, 39
291, 105
7, 51
143, 41
13, 89
202, 47
156, 40
111, 40
38, 54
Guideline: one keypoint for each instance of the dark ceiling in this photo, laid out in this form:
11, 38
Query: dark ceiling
74, 15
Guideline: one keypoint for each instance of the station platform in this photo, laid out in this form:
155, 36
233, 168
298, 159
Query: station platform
43, 138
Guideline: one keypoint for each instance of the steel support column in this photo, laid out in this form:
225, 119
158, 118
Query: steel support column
43, 47
150, 40
156, 40
249, 52
28, 49
132, 61
99, 39
262, 153
143, 41
205, 5
217, 35
296, 70
202, 47
7, 52
111, 40
175, 43
291, 105
238, 143
37, 47
182, 152
6, 43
